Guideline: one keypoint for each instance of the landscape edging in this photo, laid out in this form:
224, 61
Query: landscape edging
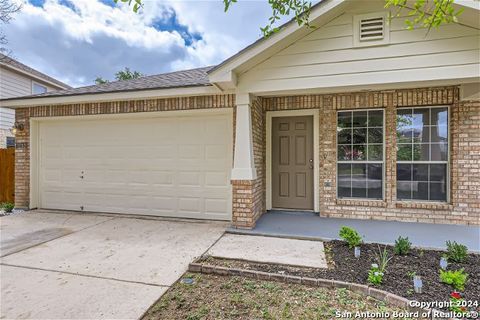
378, 294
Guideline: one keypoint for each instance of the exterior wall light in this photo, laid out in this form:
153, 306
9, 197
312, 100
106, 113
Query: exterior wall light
17, 127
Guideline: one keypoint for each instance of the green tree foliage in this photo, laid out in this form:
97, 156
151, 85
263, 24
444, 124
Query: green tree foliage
421, 13
299, 8
100, 80
424, 13
137, 4
125, 74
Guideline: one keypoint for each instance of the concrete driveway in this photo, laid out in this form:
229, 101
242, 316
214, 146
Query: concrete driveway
86, 266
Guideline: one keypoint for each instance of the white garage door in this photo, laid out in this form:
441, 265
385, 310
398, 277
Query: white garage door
165, 166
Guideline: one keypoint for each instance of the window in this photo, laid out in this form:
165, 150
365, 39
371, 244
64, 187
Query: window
360, 140
371, 29
422, 154
38, 88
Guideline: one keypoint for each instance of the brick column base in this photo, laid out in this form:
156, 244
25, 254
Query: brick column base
247, 203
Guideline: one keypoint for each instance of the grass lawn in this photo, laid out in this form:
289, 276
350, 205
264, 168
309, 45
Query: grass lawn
226, 297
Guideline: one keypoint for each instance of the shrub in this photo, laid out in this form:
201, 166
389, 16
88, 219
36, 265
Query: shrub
456, 278
456, 252
402, 246
377, 271
7, 206
351, 236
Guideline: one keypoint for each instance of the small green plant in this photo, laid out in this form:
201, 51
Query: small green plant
375, 276
377, 271
402, 246
7, 206
411, 274
351, 236
456, 278
456, 252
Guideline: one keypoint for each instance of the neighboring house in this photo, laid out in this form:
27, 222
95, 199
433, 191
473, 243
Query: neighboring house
16, 80
358, 118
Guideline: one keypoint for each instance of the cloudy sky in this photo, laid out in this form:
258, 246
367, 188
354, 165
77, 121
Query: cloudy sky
77, 40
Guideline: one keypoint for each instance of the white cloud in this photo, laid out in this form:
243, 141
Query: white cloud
77, 43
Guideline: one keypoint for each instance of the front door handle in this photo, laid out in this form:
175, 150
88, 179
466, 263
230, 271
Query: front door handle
311, 163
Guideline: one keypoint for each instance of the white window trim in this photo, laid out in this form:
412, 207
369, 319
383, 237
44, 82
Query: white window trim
356, 30
316, 152
428, 162
38, 84
363, 161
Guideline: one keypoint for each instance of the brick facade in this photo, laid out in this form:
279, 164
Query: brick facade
249, 197
23, 115
464, 206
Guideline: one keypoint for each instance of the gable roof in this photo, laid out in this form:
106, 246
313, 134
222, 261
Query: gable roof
178, 79
225, 74
22, 68
212, 79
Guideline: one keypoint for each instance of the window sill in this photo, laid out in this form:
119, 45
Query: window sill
424, 205
362, 203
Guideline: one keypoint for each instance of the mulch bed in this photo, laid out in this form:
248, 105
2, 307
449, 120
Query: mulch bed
398, 277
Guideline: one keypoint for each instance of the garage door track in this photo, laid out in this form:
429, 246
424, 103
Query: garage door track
86, 266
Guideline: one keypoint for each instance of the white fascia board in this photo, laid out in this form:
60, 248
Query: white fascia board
34, 77
112, 96
227, 71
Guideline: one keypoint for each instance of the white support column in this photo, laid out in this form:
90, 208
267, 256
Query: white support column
243, 164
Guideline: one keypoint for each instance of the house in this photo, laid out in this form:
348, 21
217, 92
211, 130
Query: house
357, 118
17, 79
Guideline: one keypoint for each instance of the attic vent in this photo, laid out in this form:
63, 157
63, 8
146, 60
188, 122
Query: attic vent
372, 29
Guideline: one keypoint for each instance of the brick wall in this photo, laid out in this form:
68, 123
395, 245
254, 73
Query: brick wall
23, 115
464, 206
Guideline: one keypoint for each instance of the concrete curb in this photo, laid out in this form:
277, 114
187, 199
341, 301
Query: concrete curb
378, 294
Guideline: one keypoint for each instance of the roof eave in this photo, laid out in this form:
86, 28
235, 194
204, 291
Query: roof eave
137, 94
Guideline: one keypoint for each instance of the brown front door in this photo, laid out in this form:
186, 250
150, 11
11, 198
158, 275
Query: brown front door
292, 162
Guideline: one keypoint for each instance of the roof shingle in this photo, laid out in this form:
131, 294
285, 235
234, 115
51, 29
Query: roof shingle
178, 79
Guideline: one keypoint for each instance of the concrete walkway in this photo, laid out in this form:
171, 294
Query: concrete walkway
308, 225
304, 253
86, 266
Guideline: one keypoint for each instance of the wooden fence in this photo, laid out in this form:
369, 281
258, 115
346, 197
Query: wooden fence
7, 175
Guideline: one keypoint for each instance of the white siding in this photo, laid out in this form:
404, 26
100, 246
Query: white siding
7, 118
327, 58
13, 84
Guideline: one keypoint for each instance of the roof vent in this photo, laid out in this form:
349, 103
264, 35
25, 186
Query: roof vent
371, 29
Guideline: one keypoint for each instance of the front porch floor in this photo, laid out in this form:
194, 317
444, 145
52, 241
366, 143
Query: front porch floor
308, 225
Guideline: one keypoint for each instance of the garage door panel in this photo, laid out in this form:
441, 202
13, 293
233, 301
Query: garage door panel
216, 179
159, 166
190, 205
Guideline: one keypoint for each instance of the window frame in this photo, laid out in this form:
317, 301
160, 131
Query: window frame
362, 161
38, 84
447, 162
